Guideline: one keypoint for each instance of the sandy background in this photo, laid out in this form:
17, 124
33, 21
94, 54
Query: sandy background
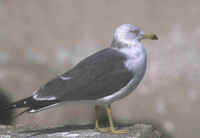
40, 39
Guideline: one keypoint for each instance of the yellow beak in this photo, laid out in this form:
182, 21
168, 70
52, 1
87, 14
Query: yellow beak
150, 36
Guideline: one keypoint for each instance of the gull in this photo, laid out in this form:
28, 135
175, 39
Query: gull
100, 79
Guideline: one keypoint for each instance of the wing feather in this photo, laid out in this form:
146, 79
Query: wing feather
99, 75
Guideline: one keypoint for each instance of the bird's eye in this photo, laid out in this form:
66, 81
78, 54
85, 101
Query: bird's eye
135, 31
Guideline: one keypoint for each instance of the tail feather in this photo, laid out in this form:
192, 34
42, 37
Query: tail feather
29, 103
19, 104
24, 103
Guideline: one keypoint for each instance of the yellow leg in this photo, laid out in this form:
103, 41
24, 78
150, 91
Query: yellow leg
112, 128
97, 121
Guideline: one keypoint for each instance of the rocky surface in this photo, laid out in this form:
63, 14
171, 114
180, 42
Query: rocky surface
135, 131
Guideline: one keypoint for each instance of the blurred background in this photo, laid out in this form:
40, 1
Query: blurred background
41, 39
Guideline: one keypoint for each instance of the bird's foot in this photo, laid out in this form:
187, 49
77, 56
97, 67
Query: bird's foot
111, 130
114, 131
103, 130
111, 127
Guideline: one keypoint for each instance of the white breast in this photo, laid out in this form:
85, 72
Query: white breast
136, 62
136, 57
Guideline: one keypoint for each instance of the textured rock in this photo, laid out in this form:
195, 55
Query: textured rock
135, 131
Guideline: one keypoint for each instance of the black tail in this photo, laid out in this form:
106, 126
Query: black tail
19, 104
30, 103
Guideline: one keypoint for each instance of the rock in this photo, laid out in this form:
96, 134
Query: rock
135, 131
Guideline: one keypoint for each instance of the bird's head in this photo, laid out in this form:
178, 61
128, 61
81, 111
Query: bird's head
128, 34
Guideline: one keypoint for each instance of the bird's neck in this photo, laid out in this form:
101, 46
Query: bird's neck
131, 48
124, 43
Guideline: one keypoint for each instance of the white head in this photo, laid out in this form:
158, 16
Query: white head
128, 35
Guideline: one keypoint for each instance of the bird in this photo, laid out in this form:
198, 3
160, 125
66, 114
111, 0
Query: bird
100, 79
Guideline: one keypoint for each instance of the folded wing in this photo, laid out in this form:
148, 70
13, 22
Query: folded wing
97, 76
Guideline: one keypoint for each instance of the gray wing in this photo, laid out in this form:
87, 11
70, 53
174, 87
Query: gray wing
99, 75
